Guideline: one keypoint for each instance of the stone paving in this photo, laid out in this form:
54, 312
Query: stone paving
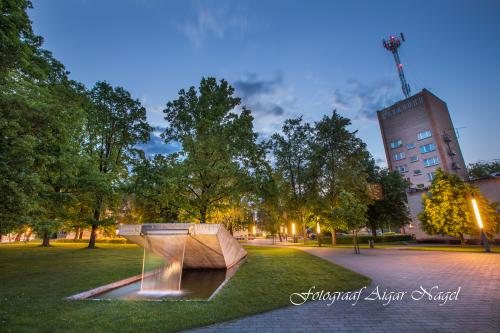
477, 308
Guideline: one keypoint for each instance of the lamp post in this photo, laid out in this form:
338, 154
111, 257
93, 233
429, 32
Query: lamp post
293, 233
318, 229
480, 224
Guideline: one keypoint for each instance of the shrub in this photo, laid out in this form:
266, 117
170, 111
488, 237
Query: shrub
365, 238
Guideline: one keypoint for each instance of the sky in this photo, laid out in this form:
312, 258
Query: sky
289, 58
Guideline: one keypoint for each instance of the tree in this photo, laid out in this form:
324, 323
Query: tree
292, 153
351, 212
338, 164
18, 44
115, 123
153, 188
392, 209
483, 169
40, 122
219, 147
448, 211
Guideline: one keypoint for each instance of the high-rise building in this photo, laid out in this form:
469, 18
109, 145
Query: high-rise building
419, 137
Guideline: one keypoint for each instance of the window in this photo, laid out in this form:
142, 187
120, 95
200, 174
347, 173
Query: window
427, 148
431, 176
399, 156
410, 146
413, 158
402, 168
431, 161
417, 172
396, 143
424, 135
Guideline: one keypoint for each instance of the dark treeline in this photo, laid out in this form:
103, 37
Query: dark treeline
69, 158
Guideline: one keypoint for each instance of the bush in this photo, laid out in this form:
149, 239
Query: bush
109, 241
365, 238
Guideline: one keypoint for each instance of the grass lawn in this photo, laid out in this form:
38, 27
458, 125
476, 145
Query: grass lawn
403, 246
34, 282
452, 248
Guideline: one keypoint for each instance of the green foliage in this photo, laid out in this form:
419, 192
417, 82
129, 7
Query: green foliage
338, 165
448, 208
350, 211
292, 153
392, 209
115, 123
18, 43
483, 169
219, 147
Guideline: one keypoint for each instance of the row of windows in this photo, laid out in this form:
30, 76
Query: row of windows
414, 158
424, 135
416, 172
427, 148
413, 103
431, 161
420, 136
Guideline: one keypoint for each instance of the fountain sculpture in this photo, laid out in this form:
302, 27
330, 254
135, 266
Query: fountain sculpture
181, 260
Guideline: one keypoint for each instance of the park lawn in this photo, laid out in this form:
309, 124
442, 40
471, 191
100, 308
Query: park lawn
452, 248
403, 246
35, 281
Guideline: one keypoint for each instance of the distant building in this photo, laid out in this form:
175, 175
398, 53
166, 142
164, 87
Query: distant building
419, 137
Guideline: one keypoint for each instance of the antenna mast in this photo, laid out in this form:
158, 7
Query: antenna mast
393, 45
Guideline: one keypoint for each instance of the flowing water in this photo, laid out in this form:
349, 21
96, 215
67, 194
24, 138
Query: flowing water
163, 276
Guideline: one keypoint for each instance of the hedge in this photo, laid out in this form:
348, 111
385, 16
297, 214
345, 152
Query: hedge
365, 238
111, 241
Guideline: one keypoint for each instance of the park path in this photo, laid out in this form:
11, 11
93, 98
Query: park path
476, 310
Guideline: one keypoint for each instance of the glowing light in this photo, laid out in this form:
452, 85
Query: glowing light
254, 230
281, 229
264, 234
293, 228
476, 211
318, 229
286, 230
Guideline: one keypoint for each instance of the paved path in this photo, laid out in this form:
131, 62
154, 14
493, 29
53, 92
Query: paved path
476, 310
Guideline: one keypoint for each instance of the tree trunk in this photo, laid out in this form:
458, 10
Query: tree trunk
334, 237
97, 215
93, 234
18, 237
28, 236
46, 240
462, 240
76, 234
80, 236
203, 215
374, 229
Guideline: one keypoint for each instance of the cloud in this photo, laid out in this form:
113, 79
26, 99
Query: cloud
212, 20
270, 100
252, 86
363, 100
156, 145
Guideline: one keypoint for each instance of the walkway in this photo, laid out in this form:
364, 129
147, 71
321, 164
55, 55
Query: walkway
477, 308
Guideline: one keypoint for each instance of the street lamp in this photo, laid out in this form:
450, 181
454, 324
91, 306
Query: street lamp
480, 224
293, 233
254, 234
318, 229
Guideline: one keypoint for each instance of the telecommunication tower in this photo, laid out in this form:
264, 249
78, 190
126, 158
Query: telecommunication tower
393, 45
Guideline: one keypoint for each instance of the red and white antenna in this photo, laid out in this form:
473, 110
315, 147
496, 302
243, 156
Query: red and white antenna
393, 45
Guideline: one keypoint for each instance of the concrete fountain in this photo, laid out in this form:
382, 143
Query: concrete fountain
181, 261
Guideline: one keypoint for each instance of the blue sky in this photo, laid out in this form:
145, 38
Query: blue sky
289, 58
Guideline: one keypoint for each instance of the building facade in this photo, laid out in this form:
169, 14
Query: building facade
419, 137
